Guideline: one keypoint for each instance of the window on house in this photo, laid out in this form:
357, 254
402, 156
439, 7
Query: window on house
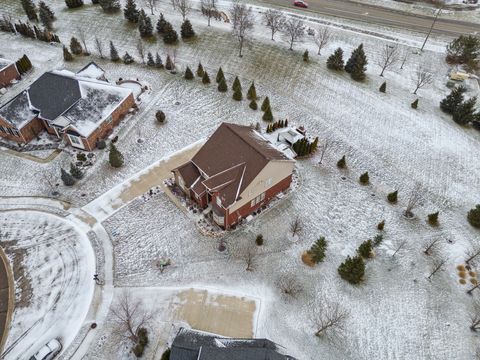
2, 129
268, 182
75, 140
219, 201
257, 200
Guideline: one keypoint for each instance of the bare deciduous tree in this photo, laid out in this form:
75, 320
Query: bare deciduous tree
209, 8
321, 38
329, 318
289, 285
246, 252
99, 47
430, 245
404, 59
413, 200
472, 254
437, 265
130, 316
141, 50
423, 78
324, 148
399, 247
183, 7
294, 30
469, 292
475, 317
81, 35
388, 57
296, 226
152, 5
274, 20
242, 23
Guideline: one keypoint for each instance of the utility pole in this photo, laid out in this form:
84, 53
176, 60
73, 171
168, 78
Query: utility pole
431, 28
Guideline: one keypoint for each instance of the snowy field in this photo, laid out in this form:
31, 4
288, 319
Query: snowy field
396, 313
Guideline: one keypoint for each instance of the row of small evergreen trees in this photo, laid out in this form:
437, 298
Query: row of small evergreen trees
108, 6
462, 111
27, 30
304, 147
277, 125
355, 66
23, 64
45, 13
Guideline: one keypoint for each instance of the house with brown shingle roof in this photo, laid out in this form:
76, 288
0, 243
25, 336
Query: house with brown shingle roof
234, 173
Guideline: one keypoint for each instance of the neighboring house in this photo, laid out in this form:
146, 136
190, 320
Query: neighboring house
235, 172
92, 71
199, 345
78, 109
8, 72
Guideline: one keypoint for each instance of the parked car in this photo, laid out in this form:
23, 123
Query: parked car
48, 351
300, 3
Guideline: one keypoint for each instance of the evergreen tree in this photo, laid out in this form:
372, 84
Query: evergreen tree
46, 15
259, 240
236, 84
220, 75
161, 24
237, 95
365, 249
364, 178
381, 225
305, 56
30, 9
450, 104
160, 116
414, 104
127, 59
342, 163
186, 30
23, 64
150, 61
433, 218
253, 105
168, 63
75, 171
170, 36
267, 115
205, 78
72, 4
352, 269
131, 12
473, 216
318, 250
463, 50
465, 112
200, 70
392, 197
115, 157
252, 92
110, 5
222, 86
113, 53
75, 46
383, 87
158, 61
377, 240
356, 65
188, 74
335, 61
144, 25
67, 179
67, 56
265, 104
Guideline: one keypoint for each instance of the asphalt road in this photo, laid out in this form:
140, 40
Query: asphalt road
4, 298
383, 16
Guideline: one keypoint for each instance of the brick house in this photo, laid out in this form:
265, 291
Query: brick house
235, 172
8, 72
79, 109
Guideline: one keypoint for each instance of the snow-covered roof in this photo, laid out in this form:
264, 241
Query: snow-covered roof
4, 63
92, 71
18, 111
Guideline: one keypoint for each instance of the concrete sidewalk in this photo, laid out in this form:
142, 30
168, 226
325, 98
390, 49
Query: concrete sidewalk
7, 291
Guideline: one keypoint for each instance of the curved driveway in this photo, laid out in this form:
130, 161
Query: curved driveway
5, 301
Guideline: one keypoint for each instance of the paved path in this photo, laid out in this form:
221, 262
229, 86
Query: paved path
37, 159
6, 298
382, 16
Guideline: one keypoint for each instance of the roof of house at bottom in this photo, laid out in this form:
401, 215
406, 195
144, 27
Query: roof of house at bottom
231, 158
199, 345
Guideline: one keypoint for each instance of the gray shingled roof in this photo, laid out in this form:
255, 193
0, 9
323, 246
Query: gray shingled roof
17, 111
4, 63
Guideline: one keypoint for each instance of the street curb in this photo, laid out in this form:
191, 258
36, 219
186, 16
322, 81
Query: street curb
11, 297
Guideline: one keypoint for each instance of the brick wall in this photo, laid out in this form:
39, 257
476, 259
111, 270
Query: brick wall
27, 133
8, 74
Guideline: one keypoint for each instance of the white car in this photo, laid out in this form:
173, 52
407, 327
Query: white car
49, 351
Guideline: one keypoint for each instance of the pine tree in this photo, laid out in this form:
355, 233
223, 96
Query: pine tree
237, 95
75, 171
222, 86
414, 104
265, 104
267, 115
342, 163
356, 65
305, 56
352, 269
46, 15
383, 87
433, 218
160, 116
30, 9
188, 74
365, 249
67, 56
158, 61
127, 59
236, 84
453, 100
150, 61
318, 250
115, 157
113, 53
253, 105
259, 240
465, 112
75, 46
473, 216
67, 179
110, 5
170, 36
168, 63
205, 78
186, 30
200, 70
220, 75
161, 24
144, 25
392, 197
381, 225
131, 12
364, 178
252, 92
72, 4
335, 61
